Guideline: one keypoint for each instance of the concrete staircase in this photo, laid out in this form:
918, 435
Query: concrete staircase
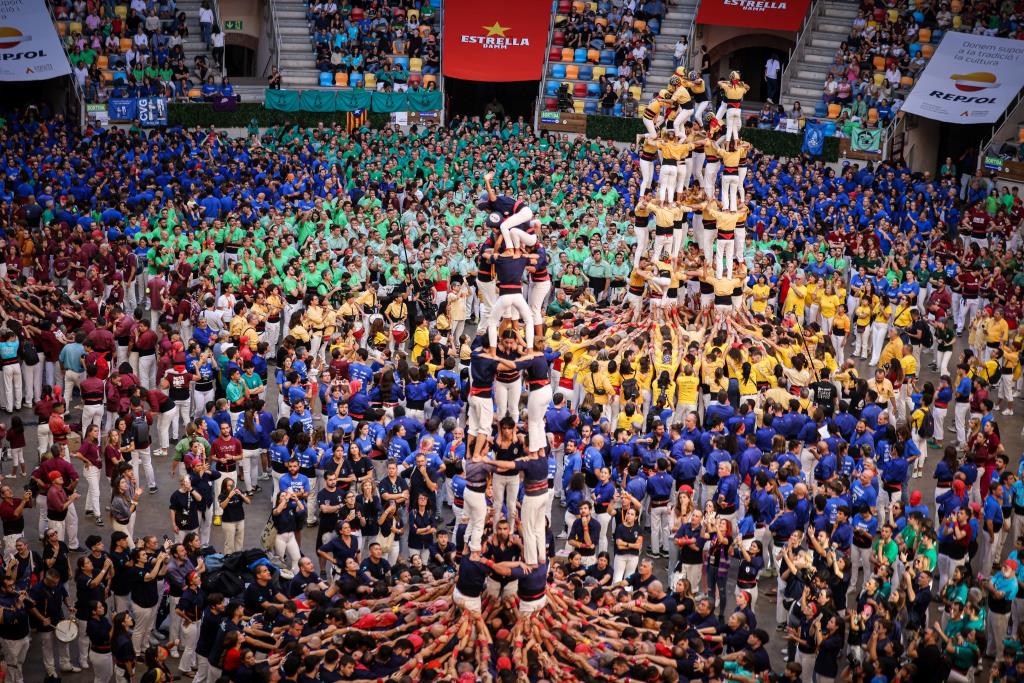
295, 42
194, 45
677, 22
808, 70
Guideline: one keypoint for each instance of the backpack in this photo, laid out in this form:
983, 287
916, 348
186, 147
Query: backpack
140, 431
29, 353
927, 428
630, 389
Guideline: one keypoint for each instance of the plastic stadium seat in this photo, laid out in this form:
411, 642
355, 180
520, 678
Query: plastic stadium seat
654, 25
578, 106
371, 81
62, 28
956, 6
558, 38
121, 11
906, 82
326, 78
919, 16
406, 63
75, 27
830, 128
356, 80
580, 55
122, 77
564, 6
937, 36
833, 110
593, 56
572, 72
639, 25
341, 79
195, 93
598, 72
927, 50
601, 21
878, 62
124, 45
579, 90
102, 62
872, 115
591, 6
357, 13
415, 64
586, 73
558, 70
416, 79
617, 111
636, 91
612, 71
560, 19
609, 39
925, 35
604, 7
107, 75
607, 57
429, 78
593, 89
914, 49
892, 14
551, 88
590, 107
554, 54
820, 109
550, 104
567, 54
578, 6
879, 78
413, 15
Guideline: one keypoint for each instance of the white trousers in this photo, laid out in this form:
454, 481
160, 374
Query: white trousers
710, 177
142, 463
12, 387
145, 621
505, 304
92, 495
730, 191
287, 548
147, 371
667, 182
536, 405
724, 256
538, 293
505, 489
32, 382
646, 175
623, 566
506, 398
534, 518
92, 415
733, 123
476, 507
15, 655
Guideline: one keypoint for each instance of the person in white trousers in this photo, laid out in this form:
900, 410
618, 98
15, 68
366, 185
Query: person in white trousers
285, 545
92, 463
190, 610
509, 267
508, 215
15, 650
145, 615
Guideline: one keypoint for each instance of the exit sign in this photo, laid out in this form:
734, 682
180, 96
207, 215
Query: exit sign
232, 24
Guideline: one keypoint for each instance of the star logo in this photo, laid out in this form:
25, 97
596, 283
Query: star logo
496, 30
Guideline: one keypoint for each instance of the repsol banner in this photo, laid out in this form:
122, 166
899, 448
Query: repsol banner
495, 41
782, 15
30, 48
969, 79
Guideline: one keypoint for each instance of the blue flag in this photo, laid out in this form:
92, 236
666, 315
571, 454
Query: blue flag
814, 139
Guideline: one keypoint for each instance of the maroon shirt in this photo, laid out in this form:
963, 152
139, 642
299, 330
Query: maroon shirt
221, 448
90, 452
146, 343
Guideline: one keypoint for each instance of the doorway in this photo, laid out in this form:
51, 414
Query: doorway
473, 98
749, 61
239, 61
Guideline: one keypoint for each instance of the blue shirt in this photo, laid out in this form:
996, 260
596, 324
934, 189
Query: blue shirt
71, 358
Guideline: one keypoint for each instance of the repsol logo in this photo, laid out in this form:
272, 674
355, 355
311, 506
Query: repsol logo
952, 97
15, 56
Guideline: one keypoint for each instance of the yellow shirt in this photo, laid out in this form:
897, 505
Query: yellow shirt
883, 389
687, 387
881, 315
893, 349
863, 314
760, 298
841, 323
795, 300
998, 331
909, 365
902, 318
828, 304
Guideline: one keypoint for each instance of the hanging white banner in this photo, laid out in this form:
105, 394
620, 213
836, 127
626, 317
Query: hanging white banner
969, 79
30, 48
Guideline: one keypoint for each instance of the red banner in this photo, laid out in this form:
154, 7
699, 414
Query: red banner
781, 15
495, 41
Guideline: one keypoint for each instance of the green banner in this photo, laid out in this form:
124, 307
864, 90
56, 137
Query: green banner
424, 100
351, 100
282, 100
389, 101
317, 100
866, 139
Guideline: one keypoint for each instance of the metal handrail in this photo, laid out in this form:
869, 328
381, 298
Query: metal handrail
1016, 104
76, 88
796, 53
275, 38
544, 74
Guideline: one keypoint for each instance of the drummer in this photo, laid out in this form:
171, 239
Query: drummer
396, 313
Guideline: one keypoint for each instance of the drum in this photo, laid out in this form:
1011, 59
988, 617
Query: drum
358, 331
399, 333
66, 630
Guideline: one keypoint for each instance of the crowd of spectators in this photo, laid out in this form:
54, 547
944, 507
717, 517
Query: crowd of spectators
889, 46
137, 50
387, 46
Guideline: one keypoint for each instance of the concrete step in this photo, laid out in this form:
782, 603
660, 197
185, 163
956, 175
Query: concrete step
307, 62
804, 73
803, 93
817, 59
824, 42
297, 31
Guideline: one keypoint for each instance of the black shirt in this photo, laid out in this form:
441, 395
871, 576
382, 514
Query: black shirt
255, 595
144, 593
186, 510
208, 629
